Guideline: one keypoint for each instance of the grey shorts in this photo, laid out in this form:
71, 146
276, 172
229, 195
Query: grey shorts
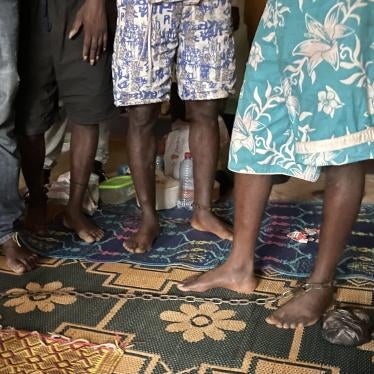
51, 68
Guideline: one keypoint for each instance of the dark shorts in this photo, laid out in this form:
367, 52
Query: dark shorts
51, 68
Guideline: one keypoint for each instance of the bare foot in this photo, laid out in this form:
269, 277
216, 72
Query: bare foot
204, 220
225, 276
302, 310
36, 216
18, 258
82, 226
143, 239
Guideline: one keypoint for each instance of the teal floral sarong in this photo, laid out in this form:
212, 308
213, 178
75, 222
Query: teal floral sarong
307, 100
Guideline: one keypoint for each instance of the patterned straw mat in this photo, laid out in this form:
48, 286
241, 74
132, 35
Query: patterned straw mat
160, 336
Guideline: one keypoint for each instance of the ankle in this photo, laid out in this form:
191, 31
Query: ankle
149, 214
320, 278
72, 210
242, 268
240, 265
200, 212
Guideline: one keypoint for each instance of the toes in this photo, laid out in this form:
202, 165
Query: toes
86, 237
310, 323
98, 235
129, 246
182, 287
187, 285
293, 325
142, 248
271, 321
17, 267
26, 264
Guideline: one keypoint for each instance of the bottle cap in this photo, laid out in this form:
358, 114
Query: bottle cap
187, 156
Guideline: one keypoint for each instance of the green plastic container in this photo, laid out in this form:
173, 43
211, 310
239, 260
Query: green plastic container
117, 190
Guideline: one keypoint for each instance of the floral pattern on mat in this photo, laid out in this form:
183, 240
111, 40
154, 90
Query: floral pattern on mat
198, 323
45, 303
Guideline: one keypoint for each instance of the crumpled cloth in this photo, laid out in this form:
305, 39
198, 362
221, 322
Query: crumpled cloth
348, 327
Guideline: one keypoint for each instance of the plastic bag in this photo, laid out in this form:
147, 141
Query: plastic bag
349, 327
177, 144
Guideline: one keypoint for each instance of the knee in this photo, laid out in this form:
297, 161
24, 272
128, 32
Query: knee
203, 113
143, 117
346, 176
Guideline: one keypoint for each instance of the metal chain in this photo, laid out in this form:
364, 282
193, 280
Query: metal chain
146, 297
270, 300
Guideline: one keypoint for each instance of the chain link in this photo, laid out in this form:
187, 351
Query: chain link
143, 296
306, 287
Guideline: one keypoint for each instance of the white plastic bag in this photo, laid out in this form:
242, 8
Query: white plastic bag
177, 145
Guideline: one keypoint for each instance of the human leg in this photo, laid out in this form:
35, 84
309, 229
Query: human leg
206, 74
84, 140
18, 258
141, 148
32, 148
237, 273
144, 51
87, 95
36, 109
203, 119
54, 141
343, 194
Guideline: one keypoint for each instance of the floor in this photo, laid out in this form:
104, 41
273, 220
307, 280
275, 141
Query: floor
247, 345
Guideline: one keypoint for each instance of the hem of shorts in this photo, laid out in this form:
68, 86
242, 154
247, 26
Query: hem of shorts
336, 144
120, 104
5, 238
205, 97
353, 160
37, 131
92, 121
272, 172
200, 97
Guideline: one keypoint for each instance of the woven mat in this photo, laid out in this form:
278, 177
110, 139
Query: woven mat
180, 245
175, 336
31, 352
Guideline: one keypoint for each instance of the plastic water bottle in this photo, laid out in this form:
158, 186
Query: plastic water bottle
159, 167
186, 187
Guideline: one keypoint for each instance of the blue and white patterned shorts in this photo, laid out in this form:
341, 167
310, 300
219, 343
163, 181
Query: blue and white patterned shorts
151, 34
